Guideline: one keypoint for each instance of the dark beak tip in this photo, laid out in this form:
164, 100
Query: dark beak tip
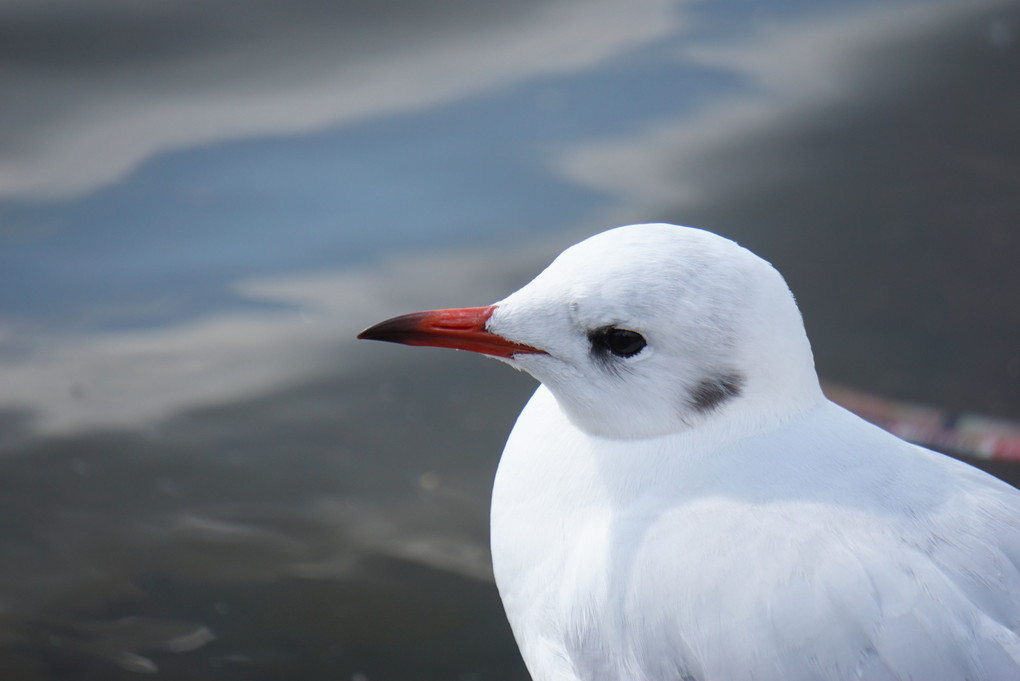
373, 334
395, 330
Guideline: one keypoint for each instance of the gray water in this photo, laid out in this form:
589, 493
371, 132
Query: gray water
203, 474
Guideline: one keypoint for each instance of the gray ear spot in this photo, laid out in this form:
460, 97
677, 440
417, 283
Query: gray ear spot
712, 392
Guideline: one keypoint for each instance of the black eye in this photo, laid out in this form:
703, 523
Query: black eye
620, 342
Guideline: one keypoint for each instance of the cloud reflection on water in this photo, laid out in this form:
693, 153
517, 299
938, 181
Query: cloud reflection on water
113, 84
798, 75
130, 378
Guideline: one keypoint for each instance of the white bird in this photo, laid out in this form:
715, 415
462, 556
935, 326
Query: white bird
678, 501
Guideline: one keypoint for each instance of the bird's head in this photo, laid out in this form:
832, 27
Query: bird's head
641, 331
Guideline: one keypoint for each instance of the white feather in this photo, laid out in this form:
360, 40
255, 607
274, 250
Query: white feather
637, 536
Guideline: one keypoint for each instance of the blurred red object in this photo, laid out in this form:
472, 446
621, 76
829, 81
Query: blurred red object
971, 435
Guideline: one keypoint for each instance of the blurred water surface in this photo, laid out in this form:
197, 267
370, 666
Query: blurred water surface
203, 475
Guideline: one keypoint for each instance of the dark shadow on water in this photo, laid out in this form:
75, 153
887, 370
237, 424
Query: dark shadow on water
328, 530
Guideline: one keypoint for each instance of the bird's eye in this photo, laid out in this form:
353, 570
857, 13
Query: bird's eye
620, 342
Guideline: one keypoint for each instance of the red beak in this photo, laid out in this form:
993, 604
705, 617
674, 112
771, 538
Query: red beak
462, 329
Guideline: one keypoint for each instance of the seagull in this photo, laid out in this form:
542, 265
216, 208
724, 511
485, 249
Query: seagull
678, 501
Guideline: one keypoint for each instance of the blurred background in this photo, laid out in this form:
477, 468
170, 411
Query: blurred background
204, 476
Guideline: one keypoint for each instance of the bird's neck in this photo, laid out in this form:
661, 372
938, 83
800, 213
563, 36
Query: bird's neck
561, 469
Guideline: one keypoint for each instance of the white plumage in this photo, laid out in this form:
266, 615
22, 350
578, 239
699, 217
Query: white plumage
697, 510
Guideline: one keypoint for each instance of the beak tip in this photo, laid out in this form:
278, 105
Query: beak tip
390, 330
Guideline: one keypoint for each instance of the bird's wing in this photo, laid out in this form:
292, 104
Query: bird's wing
805, 590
